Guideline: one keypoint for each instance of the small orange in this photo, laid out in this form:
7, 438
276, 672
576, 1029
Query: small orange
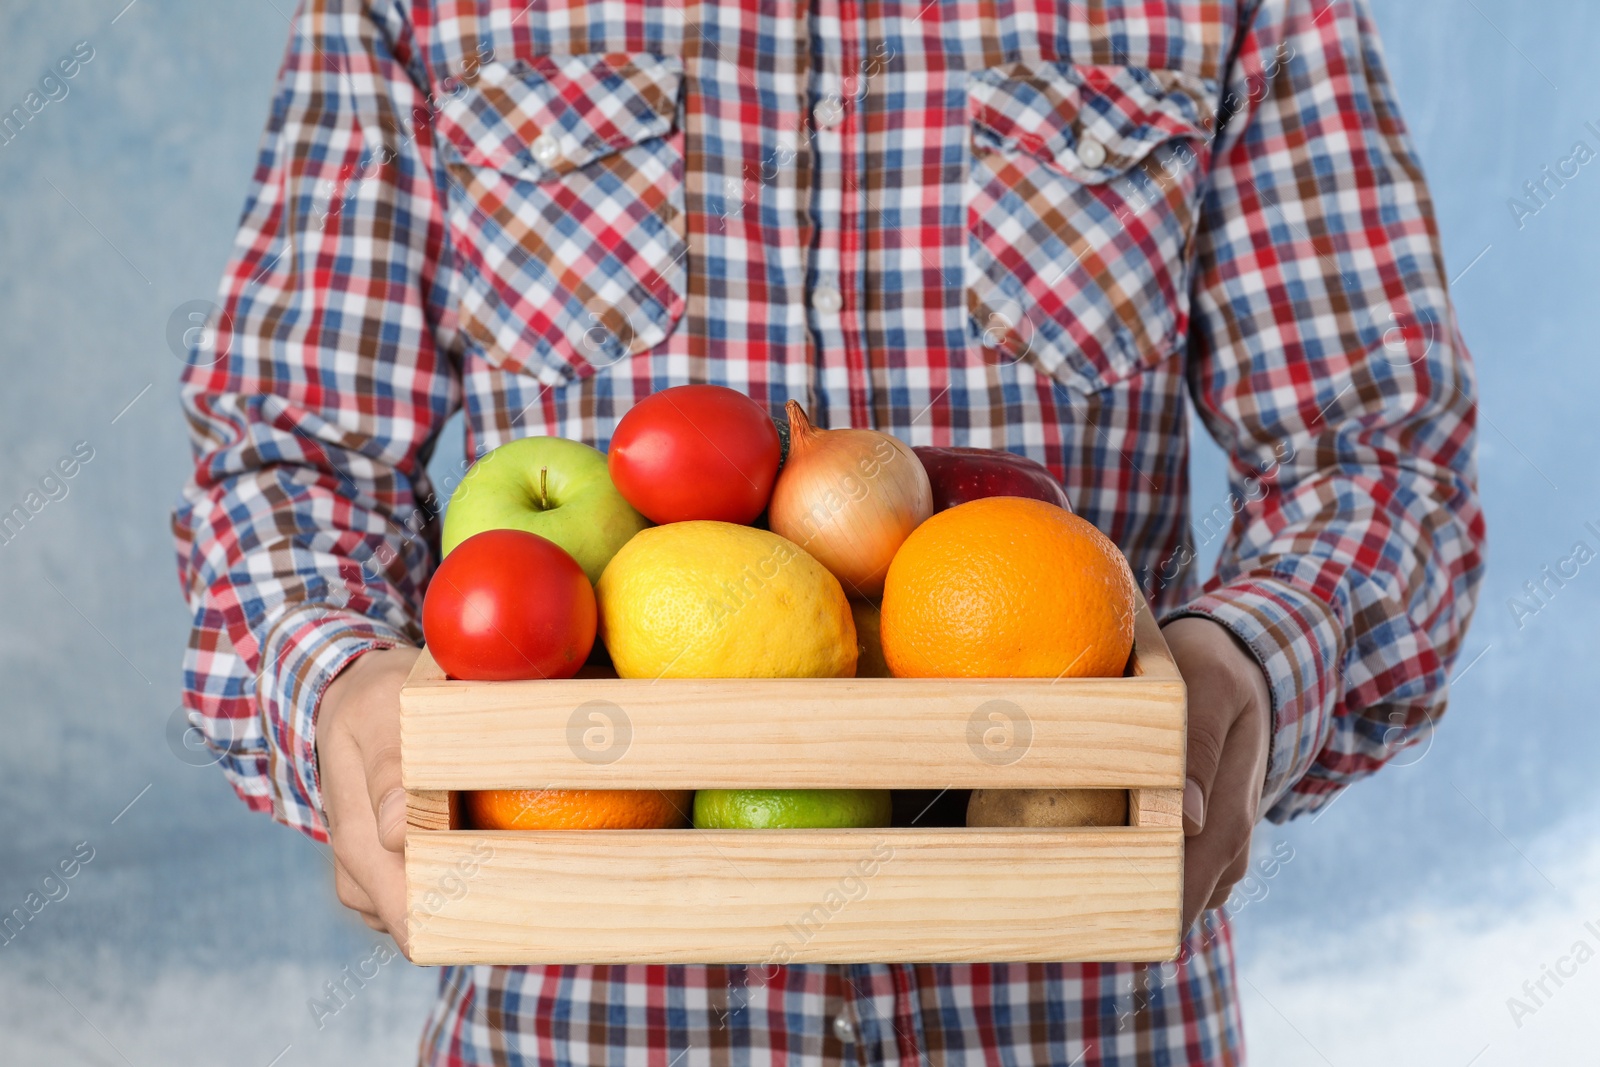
578, 809
1006, 587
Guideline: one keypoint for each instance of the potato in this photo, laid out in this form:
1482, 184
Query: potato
1048, 807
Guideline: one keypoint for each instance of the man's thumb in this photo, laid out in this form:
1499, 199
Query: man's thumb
388, 797
1207, 736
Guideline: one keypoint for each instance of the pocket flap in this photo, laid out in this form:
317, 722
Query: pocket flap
546, 117
1053, 110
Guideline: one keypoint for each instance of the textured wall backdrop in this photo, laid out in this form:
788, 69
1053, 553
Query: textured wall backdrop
194, 932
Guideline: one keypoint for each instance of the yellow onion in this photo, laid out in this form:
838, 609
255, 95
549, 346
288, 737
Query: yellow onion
849, 498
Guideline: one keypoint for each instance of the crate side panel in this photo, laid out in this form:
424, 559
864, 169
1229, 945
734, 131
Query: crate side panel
433, 809
1155, 807
795, 733
793, 896
1152, 657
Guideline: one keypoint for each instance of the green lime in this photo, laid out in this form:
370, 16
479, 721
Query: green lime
790, 809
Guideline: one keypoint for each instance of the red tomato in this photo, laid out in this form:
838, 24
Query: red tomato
695, 452
506, 604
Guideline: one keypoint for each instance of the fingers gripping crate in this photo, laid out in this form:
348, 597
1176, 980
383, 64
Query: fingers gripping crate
796, 896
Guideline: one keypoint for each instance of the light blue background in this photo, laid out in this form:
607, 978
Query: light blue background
1409, 914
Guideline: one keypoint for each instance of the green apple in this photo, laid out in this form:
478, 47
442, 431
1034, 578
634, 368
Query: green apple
549, 486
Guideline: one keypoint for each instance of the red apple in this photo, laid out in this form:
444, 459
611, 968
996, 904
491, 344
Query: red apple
962, 474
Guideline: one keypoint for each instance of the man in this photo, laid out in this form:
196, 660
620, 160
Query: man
1031, 226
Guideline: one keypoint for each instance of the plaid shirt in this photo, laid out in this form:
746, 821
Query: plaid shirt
1031, 226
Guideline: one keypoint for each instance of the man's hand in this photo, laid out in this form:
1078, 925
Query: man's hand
358, 755
1230, 712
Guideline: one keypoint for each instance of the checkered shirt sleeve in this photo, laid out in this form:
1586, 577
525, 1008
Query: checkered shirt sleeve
303, 534
1326, 360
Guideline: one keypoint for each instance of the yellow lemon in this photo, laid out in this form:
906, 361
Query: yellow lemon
716, 600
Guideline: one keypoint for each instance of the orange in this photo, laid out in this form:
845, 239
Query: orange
1006, 587
578, 809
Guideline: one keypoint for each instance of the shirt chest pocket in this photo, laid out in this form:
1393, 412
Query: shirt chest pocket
1082, 193
566, 210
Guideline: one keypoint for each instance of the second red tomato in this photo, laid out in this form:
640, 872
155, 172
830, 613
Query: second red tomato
506, 604
696, 452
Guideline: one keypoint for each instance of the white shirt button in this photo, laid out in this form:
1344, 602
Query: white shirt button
1091, 152
546, 149
829, 112
844, 1029
827, 300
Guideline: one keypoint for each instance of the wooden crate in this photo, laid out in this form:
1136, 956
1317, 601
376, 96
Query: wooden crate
803, 896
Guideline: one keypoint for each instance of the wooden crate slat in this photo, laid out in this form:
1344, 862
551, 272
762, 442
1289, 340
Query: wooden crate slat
902, 733
796, 733
793, 896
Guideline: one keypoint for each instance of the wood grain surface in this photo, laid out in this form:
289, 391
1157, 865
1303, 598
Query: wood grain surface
802, 733
773, 896
889, 895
